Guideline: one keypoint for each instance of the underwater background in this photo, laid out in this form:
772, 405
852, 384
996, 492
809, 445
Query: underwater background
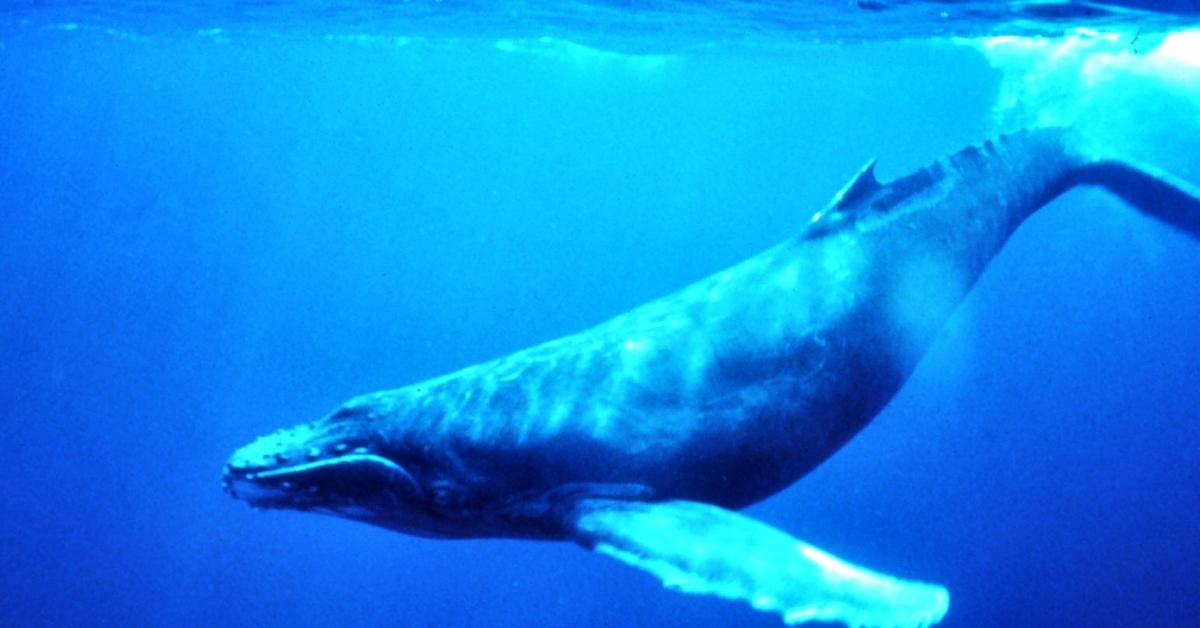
223, 218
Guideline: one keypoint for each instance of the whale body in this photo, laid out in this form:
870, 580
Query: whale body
641, 437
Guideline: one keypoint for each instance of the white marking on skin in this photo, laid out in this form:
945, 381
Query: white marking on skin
675, 322
789, 277
924, 293
714, 293
533, 396
561, 410
842, 259
601, 421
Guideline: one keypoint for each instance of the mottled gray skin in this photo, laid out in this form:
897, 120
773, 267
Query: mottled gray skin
724, 392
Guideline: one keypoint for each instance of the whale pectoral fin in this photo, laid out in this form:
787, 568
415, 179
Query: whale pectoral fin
703, 549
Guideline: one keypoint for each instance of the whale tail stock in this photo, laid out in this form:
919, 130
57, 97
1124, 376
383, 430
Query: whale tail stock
1064, 158
1156, 194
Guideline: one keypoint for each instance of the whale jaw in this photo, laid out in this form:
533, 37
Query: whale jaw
322, 467
337, 483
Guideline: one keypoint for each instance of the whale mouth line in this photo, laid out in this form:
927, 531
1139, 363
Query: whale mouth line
304, 484
318, 465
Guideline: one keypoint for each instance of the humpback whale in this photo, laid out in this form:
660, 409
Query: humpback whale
642, 437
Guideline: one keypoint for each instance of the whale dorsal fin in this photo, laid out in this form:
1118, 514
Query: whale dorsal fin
703, 549
861, 186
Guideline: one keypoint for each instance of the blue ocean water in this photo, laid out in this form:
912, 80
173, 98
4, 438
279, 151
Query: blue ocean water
222, 219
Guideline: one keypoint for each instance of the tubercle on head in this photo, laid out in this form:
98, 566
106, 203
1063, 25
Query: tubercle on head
296, 445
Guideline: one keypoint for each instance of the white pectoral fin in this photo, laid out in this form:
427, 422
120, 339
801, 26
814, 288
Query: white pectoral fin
703, 549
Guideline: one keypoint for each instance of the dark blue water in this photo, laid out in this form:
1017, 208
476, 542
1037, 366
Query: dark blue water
209, 233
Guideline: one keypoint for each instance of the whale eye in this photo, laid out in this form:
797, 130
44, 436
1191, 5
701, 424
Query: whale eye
444, 495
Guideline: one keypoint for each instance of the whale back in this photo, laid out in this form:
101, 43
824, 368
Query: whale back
733, 387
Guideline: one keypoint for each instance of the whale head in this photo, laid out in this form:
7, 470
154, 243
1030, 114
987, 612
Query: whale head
351, 464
